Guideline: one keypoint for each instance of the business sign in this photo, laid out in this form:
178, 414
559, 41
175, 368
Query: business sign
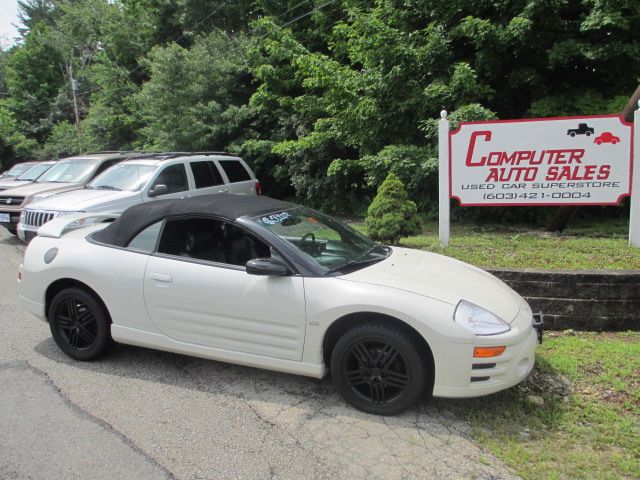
559, 161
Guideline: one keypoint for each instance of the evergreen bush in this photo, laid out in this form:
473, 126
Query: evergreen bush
392, 215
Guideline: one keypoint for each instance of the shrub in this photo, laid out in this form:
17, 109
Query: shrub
392, 215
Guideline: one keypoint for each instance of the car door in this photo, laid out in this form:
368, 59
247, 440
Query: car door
174, 176
240, 178
207, 177
195, 298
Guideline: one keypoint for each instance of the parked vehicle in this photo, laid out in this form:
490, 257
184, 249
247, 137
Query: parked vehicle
67, 174
606, 137
269, 284
150, 177
583, 129
32, 174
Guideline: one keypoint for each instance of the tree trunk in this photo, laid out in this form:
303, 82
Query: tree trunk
561, 219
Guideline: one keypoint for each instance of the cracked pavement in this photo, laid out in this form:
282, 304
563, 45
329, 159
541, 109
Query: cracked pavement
145, 414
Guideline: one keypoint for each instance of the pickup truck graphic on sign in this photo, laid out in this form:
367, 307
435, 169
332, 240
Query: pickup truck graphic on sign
583, 129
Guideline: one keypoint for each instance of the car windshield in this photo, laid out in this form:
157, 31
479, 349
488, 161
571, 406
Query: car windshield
17, 170
130, 177
69, 171
35, 171
331, 244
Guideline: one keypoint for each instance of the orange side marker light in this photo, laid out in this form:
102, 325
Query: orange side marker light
488, 352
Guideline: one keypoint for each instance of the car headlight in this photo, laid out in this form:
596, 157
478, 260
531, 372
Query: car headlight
478, 320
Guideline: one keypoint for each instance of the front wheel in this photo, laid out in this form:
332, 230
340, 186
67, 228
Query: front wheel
80, 324
379, 369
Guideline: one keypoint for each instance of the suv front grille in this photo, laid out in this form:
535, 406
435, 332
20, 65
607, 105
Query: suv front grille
36, 218
8, 200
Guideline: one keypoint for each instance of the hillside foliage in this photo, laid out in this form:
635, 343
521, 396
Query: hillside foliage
324, 98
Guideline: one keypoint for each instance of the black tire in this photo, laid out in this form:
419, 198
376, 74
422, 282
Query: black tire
379, 369
80, 324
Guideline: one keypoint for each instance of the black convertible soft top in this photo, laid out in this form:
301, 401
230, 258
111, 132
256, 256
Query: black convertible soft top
221, 205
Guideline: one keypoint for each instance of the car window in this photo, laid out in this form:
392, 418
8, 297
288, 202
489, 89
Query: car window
211, 240
35, 171
69, 171
174, 177
125, 176
235, 171
147, 239
206, 174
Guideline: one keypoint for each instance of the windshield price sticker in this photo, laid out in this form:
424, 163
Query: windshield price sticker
275, 218
576, 161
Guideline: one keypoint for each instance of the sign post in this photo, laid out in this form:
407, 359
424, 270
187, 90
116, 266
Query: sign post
634, 216
443, 185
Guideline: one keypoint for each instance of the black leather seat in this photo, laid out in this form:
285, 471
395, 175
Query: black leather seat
201, 245
238, 247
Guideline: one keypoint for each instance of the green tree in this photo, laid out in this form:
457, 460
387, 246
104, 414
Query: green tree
392, 215
195, 98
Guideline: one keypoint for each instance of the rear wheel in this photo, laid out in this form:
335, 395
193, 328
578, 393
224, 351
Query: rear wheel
379, 369
80, 324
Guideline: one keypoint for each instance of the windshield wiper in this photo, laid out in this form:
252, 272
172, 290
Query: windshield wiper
362, 260
107, 187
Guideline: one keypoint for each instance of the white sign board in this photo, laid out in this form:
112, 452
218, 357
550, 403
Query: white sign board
559, 161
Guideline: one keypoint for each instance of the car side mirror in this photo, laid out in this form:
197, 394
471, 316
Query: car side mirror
267, 266
159, 189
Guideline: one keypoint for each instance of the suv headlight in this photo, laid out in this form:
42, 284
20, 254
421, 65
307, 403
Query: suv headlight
478, 320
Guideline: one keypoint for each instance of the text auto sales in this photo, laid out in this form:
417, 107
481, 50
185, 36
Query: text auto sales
564, 168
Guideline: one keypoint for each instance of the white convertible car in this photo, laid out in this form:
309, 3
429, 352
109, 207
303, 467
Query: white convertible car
269, 284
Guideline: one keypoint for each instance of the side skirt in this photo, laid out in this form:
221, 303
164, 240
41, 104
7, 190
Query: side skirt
132, 336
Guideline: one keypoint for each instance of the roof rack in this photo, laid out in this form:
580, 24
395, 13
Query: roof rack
213, 153
109, 152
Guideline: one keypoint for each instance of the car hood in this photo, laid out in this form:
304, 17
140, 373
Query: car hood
7, 184
84, 200
441, 278
35, 188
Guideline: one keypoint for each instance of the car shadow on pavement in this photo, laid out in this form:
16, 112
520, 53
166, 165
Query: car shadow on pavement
204, 375
285, 391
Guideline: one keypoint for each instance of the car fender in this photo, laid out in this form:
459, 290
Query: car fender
330, 299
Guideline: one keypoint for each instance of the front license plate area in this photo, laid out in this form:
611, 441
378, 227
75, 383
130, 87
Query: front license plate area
5, 218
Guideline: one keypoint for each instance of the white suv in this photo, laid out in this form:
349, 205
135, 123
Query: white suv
145, 178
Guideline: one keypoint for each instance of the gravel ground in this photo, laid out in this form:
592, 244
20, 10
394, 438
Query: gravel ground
144, 414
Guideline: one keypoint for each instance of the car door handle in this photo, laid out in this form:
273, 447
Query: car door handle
160, 277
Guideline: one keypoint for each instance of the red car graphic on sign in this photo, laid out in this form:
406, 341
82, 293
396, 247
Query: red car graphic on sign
606, 137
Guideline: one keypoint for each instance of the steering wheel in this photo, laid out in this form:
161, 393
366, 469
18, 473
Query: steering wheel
310, 239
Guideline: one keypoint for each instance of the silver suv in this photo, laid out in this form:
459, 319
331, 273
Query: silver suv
145, 178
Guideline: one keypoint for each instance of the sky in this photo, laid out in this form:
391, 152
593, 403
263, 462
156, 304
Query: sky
8, 16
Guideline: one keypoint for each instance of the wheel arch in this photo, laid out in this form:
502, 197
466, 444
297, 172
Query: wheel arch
346, 322
63, 283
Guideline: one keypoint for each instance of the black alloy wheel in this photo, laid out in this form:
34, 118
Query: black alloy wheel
379, 369
80, 324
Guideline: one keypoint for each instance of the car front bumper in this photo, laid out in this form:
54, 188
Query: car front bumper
472, 377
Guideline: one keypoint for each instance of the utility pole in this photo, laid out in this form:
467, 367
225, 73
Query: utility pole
74, 91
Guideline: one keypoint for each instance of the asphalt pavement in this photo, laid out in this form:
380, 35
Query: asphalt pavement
143, 414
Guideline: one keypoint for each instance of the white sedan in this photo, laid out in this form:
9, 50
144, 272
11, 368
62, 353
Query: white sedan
270, 284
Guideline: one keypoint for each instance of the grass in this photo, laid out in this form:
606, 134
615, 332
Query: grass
589, 425
585, 246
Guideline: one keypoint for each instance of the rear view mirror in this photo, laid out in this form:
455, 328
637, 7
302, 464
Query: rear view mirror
159, 189
267, 266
